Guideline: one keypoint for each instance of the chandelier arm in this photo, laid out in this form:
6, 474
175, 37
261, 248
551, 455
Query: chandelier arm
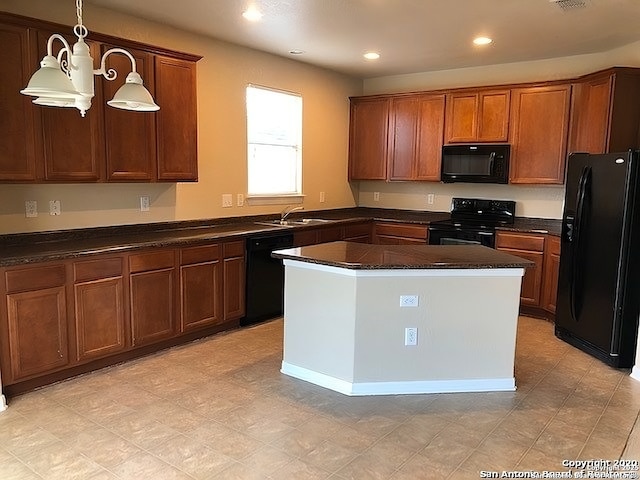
111, 74
65, 49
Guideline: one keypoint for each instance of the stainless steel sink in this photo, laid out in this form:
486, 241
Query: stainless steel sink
293, 222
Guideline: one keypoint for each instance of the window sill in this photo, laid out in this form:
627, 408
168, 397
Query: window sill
274, 199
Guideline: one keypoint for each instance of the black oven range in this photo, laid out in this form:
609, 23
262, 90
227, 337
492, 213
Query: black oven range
473, 221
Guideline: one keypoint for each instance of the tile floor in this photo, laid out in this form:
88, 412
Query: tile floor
218, 408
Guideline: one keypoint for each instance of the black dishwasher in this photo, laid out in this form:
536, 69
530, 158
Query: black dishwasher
265, 278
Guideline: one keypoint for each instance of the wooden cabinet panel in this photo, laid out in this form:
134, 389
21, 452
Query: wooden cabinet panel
152, 305
416, 144
17, 129
360, 232
400, 234
73, 147
305, 237
606, 112
477, 116
368, 136
551, 272
99, 318
130, 155
200, 295
177, 124
234, 285
37, 324
329, 234
402, 146
530, 247
539, 129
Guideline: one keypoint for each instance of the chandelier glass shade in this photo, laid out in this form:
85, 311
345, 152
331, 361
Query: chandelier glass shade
67, 80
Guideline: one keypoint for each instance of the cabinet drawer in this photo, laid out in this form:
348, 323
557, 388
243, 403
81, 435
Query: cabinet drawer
534, 243
35, 278
402, 230
233, 249
357, 230
203, 253
94, 269
151, 261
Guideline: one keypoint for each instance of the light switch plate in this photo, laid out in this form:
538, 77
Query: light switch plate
227, 200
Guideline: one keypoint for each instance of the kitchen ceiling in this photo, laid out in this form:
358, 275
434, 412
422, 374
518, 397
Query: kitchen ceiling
410, 35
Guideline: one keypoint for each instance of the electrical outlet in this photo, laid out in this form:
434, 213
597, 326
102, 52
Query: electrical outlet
408, 300
54, 207
430, 198
322, 197
376, 196
240, 200
31, 208
411, 336
144, 203
227, 200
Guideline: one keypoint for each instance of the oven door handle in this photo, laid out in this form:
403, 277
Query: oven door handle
488, 234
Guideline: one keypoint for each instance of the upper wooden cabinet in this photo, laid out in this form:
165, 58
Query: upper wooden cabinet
415, 147
538, 134
45, 144
606, 112
368, 134
477, 116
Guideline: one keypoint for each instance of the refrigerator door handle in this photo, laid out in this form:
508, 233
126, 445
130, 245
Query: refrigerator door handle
576, 267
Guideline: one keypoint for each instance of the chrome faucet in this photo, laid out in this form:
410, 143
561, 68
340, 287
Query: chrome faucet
288, 210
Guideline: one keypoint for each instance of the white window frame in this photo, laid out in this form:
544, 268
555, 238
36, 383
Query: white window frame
275, 197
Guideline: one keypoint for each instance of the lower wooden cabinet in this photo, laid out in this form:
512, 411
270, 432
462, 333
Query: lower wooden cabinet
234, 280
400, 233
200, 287
359, 232
34, 334
530, 247
551, 272
99, 308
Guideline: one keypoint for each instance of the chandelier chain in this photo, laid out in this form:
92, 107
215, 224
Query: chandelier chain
80, 30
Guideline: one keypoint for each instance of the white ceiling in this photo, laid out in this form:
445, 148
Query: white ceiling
411, 35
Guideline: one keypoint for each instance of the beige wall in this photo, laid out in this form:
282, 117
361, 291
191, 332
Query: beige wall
223, 73
531, 201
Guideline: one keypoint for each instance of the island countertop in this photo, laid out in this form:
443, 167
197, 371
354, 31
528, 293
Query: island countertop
360, 256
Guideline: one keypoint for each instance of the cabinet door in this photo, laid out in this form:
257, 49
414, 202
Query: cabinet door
17, 130
130, 136
151, 296
493, 116
36, 339
551, 272
234, 280
73, 146
369, 132
200, 287
461, 117
591, 120
430, 134
539, 127
402, 145
177, 124
100, 312
37, 323
530, 247
358, 233
329, 234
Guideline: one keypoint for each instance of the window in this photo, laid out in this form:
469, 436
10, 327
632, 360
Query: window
274, 143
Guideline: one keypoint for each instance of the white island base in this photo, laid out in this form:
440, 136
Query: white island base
344, 329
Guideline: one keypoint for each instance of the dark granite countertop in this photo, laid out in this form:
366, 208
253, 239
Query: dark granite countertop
35, 247
360, 256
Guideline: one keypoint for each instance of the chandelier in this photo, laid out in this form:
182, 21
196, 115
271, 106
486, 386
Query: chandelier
67, 80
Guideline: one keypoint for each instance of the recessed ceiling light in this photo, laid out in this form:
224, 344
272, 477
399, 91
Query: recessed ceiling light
296, 52
372, 55
482, 41
252, 14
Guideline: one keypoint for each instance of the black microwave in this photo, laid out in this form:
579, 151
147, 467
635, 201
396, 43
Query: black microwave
475, 163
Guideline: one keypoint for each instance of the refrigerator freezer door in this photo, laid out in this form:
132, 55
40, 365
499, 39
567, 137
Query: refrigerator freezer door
593, 255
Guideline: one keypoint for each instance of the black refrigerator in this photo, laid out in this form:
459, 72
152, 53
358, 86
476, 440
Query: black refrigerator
599, 284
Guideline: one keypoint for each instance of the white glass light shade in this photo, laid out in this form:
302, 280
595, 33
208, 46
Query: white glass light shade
133, 96
50, 81
55, 102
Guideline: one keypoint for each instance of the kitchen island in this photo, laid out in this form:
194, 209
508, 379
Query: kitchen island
400, 319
